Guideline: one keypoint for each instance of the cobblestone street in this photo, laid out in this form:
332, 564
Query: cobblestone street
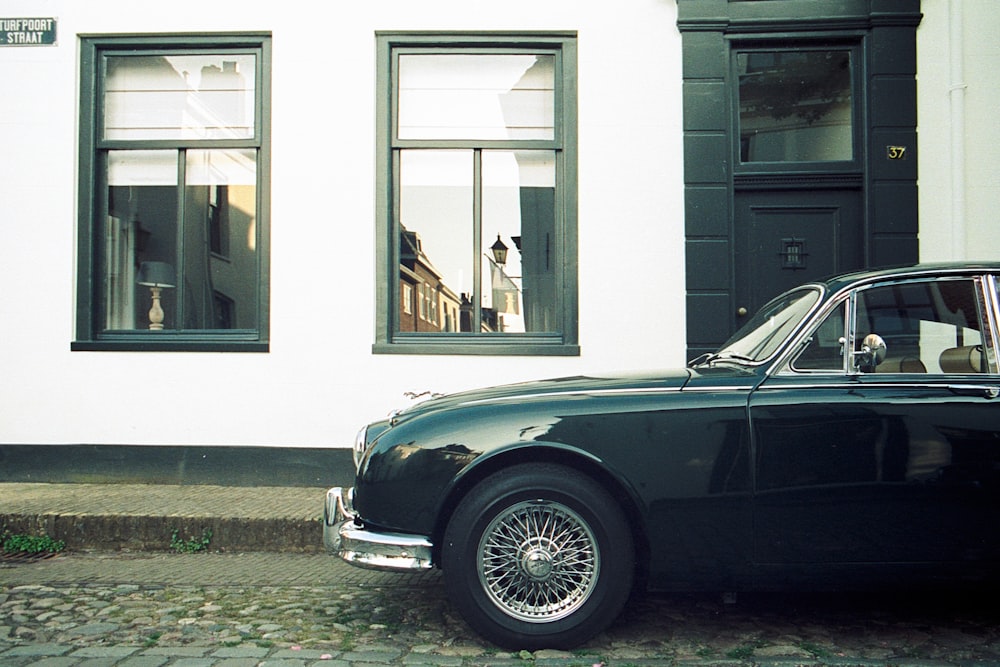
231, 610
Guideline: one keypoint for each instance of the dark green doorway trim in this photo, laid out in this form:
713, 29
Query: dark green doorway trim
886, 180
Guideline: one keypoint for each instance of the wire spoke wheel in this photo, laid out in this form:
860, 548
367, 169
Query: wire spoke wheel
539, 561
538, 555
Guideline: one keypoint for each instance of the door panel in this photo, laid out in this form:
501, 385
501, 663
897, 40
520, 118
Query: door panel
785, 238
870, 472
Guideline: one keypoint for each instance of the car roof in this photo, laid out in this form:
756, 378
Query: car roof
836, 283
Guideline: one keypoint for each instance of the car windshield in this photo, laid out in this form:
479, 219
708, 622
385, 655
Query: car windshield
762, 335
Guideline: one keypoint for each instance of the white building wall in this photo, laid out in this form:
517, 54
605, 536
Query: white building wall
320, 381
958, 65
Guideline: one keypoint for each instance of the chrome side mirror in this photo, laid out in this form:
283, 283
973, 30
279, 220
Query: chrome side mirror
872, 353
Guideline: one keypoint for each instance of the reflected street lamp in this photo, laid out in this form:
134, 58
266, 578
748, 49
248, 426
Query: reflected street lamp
499, 251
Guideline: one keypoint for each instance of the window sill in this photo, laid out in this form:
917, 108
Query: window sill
174, 345
478, 347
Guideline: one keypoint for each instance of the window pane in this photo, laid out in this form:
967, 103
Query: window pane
206, 96
141, 227
466, 96
436, 247
825, 349
795, 106
220, 240
519, 292
207, 268
927, 326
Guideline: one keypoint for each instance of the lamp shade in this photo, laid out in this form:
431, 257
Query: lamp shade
499, 251
156, 274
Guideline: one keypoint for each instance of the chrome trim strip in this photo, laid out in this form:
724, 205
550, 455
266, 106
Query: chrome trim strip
717, 388
577, 392
990, 311
773, 386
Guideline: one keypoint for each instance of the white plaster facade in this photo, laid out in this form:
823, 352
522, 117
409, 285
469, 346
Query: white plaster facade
958, 84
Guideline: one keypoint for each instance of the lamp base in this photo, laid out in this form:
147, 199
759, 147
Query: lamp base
156, 311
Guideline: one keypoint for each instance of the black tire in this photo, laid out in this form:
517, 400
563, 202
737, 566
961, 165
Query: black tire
538, 556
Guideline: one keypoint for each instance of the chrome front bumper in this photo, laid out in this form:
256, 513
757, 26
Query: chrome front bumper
343, 536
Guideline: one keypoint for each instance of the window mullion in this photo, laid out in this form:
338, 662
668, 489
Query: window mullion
181, 214
393, 296
477, 241
99, 251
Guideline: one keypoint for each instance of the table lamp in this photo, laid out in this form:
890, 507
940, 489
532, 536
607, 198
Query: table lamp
156, 276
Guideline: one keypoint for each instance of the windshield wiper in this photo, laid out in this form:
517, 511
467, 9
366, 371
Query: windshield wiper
700, 359
710, 357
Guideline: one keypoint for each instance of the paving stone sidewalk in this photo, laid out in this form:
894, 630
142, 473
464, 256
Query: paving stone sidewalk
92, 609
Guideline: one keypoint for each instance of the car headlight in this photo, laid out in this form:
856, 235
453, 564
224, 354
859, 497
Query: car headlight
360, 444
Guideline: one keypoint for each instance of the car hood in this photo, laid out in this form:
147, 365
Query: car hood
580, 385
552, 387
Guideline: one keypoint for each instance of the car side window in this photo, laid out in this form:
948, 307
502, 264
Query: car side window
825, 349
927, 326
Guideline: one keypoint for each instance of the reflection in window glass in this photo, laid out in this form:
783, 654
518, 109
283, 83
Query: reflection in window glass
220, 246
141, 227
436, 240
519, 221
512, 276
476, 96
205, 96
795, 106
199, 266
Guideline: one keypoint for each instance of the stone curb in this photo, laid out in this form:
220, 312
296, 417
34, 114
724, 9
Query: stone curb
155, 533
144, 517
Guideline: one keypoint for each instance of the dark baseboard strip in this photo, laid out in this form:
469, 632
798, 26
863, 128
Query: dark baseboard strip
183, 465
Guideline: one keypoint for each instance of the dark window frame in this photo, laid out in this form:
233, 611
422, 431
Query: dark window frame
92, 189
854, 46
388, 340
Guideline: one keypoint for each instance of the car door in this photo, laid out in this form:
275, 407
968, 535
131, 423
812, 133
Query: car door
894, 465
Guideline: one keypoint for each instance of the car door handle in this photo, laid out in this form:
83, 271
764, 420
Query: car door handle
984, 391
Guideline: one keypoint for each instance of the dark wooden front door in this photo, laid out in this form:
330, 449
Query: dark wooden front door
787, 237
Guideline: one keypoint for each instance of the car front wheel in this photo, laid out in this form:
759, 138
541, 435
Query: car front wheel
538, 556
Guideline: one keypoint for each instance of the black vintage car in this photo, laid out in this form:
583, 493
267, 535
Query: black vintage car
848, 436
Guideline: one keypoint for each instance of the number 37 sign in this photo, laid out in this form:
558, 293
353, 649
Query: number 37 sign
895, 152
